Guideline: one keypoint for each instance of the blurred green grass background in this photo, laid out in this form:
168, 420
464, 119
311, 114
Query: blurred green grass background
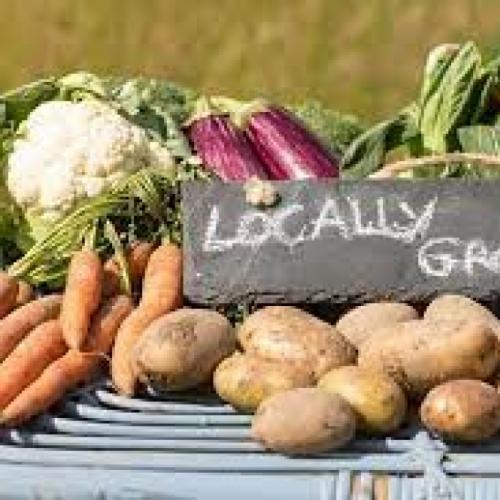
361, 56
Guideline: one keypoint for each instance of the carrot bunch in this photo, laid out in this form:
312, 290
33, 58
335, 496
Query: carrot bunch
52, 344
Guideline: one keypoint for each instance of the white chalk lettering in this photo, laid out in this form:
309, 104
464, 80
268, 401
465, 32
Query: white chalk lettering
439, 264
212, 242
369, 229
476, 253
330, 217
440, 257
422, 222
254, 228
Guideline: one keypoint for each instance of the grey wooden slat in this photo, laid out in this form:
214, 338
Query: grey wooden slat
248, 462
472, 463
129, 443
86, 411
47, 423
406, 490
327, 486
395, 487
170, 407
67, 483
343, 490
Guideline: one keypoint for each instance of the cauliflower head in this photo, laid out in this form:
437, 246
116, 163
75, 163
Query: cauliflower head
69, 151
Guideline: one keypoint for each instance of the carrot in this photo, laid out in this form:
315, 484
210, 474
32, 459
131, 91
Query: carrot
110, 278
25, 293
8, 293
162, 286
106, 322
70, 370
26, 362
161, 293
137, 256
60, 376
15, 326
81, 296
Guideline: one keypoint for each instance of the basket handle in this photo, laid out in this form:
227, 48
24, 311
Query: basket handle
392, 169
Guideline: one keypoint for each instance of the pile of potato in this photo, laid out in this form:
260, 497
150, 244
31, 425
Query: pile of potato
312, 385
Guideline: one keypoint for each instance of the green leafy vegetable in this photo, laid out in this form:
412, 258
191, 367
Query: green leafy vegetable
367, 153
458, 93
337, 130
445, 99
480, 139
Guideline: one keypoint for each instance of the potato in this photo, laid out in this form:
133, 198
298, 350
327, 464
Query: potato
421, 354
180, 350
379, 403
362, 322
462, 410
459, 307
244, 380
304, 421
291, 335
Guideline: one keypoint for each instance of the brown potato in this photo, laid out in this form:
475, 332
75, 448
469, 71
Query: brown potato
362, 322
244, 380
459, 307
291, 335
304, 421
462, 410
421, 354
181, 349
379, 403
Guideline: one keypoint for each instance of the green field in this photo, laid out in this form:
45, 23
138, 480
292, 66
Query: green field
362, 56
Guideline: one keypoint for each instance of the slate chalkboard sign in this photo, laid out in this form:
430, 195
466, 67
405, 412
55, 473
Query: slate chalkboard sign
342, 242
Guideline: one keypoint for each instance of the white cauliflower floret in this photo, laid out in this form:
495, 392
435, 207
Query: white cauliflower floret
71, 151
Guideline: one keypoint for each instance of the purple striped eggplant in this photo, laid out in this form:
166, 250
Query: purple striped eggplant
286, 147
223, 147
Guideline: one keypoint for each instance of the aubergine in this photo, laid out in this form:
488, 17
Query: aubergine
223, 148
287, 148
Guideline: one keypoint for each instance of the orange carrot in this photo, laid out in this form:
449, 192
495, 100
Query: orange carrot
137, 256
26, 362
25, 293
161, 293
15, 326
106, 322
8, 293
62, 375
81, 296
70, 370
110, 278
162, 286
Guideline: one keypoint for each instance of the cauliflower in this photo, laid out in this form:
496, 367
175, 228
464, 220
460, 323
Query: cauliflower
70, 151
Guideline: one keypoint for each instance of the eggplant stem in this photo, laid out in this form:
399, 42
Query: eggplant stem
393, 169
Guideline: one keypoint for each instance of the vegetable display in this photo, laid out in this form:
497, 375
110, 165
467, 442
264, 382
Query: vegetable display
91, 285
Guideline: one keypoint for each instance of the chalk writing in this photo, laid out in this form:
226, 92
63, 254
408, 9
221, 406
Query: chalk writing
255, 228
440, 257
348, 219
